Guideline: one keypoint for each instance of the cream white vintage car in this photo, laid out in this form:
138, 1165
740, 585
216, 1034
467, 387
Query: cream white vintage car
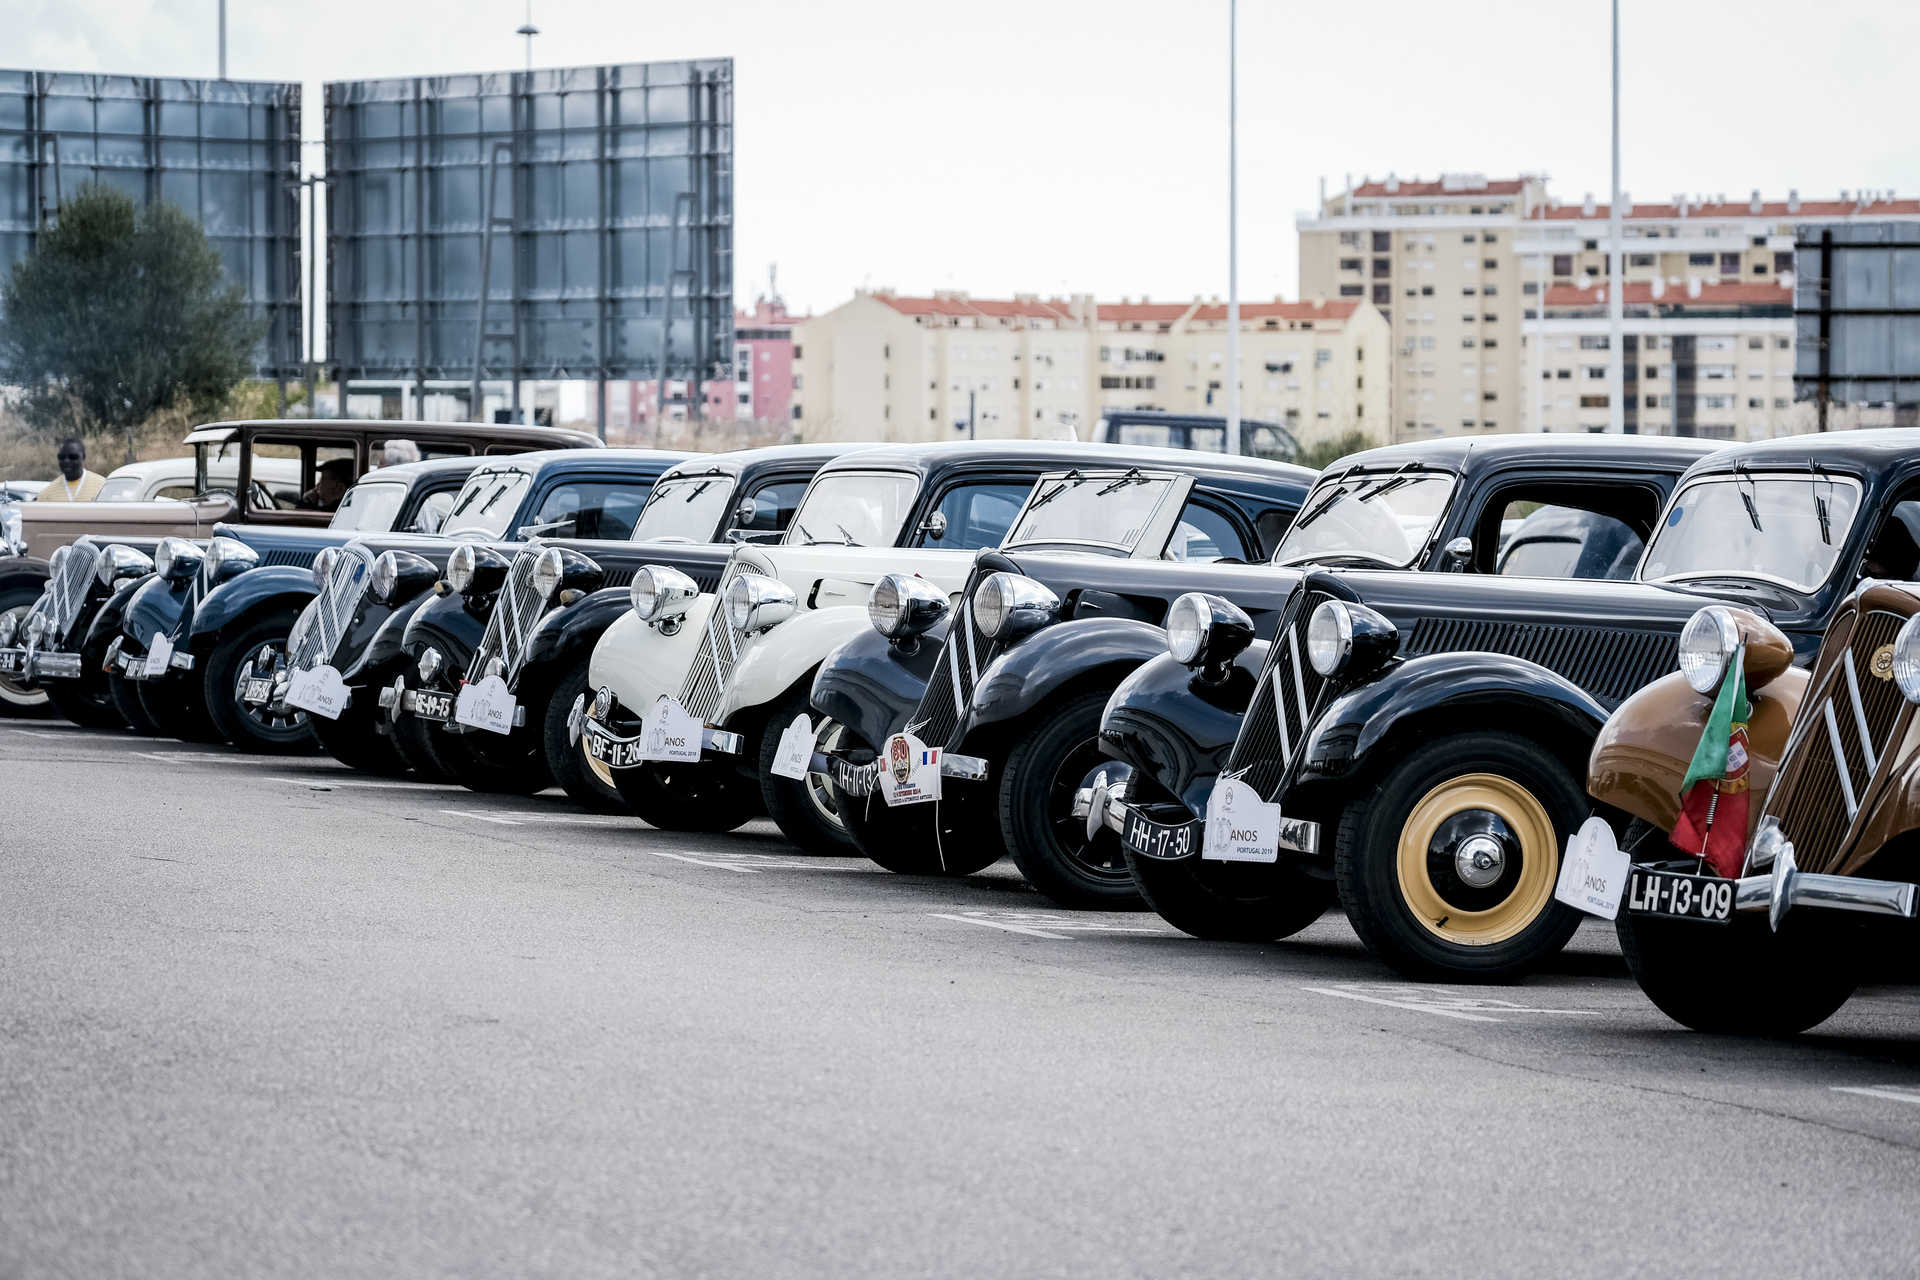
693, 693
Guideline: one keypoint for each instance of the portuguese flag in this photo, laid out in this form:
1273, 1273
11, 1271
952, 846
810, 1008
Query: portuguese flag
1714, 795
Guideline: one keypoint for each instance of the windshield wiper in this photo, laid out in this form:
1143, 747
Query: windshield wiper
850, 542
1318, 509
1133, 476
497, 495
1820, 504
1745, 484
699, 489
1071, 480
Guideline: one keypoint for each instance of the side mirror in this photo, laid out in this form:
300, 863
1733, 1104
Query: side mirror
1459, 553
744, 513
935, 526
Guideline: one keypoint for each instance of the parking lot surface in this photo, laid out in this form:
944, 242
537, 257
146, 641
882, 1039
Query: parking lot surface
265, 1016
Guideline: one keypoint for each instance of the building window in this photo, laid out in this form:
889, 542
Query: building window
1563, 374
1489, 264
1756, 402
1349, 264
1593, 402
1467, 291
1640, 260
1353, 290
1729, 264
1592, 245
1780, 402
1382, 241
1382, 267
796, 351
1467, 238
1592, 342
1530, 287
1350, 239
1489, 396
1382, 294
1563, 264
1782, 263
1699, 259
933, 415
1595, 372
1489, 291
1426, 291
1490, 343
1466, 342
1783, 344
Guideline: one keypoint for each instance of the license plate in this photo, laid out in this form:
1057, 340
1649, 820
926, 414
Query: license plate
614, 755
259, 689
12, 661
1680, 897
1150, 839
433, 706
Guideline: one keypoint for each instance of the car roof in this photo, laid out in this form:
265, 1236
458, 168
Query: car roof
1459, 453
153, 467
734, 461
412, 471
649, 460
484, 432
1869, 450
1058, 454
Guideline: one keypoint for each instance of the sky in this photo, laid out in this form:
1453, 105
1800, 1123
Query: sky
1080, 146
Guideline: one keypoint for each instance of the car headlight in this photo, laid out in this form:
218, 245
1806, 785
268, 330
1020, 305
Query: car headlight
9, 623
660, 592
323, 565
460, 566
1205, 630
756, 602
10, 527
548, 569
227, 556
1348, 639
36, 626
118, 562
399, 576
1009, 605
55, 560
902, 605
176, 559
1906, 659
1707, 643
429, 665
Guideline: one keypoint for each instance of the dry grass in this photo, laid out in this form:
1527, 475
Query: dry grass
28, 455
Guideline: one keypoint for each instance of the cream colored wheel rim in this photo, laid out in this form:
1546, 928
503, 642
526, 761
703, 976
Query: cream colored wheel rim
1530, 893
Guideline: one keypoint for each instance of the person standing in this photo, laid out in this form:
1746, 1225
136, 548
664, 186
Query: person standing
76, 483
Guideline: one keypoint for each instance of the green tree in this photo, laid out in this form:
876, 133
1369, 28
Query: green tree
1325, 453
120, 312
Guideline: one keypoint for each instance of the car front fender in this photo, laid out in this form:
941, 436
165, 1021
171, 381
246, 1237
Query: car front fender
234, 599
1177, 727
871, 685
566, 636
774, 661
446, 623
640, 662
156, 605
1097, 651
110, 618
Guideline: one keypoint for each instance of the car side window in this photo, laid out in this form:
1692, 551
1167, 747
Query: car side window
972, 516
773, 506
1539, 538
588, 509
433, 512
184, 492
1894, 553
1204, 534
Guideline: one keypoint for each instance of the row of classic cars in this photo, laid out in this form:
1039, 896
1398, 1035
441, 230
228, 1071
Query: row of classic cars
1228, 689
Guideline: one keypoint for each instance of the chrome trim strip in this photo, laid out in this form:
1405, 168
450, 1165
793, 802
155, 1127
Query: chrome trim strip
1859, 713
1299, 683
1280, 713
1840, 769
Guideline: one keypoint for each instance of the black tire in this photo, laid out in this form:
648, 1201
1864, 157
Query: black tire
355, 739
1232, 901
21, 701
126, 700
566, 759
417, 741
1403, 891
1741, 978
681, 797
804, 809
956, 835
508, 764
174, 705
1036, 788
261, 730
88, 701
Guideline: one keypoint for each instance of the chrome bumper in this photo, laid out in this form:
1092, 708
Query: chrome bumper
134, 666
712, 741
862, 779
1786, 887
1106, 806
32, 664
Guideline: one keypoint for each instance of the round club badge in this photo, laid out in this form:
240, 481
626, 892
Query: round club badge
900, 758
1881, 664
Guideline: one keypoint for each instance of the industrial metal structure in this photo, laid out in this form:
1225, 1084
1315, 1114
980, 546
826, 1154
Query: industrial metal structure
222, 150
572, 223
1856, 309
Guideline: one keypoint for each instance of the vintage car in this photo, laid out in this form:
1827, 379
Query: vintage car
533, 629
1077, 605
1413, 743
181, 479
351, 641
741, 659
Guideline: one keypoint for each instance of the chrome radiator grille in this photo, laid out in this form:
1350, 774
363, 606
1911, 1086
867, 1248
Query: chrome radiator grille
713, 661
516, 612
1284, 701
1841, 732
1611, 663
66, 591
321, 627
963, 657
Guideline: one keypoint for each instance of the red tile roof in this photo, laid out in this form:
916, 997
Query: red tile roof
1142, 312
1278, 310
1438, 188
1676, 295
994, 308
1775, 209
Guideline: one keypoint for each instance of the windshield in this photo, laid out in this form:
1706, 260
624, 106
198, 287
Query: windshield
858, 508
369, 508
1107, 509
487, 503
120, 489
1785, 530
687, 507
1382, 517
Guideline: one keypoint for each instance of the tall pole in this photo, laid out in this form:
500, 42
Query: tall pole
528, 31
1233, 226
223, 39
1540, 334
312, 184
1616, 273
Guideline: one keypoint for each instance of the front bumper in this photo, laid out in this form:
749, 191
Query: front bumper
862, 779
35, 664
1104, 806
617, 752
134, 666
1785, 887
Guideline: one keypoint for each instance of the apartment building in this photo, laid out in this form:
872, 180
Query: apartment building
887, 366
1459, 266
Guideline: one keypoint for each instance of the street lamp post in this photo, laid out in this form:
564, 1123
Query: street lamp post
1233, 226
1616, 273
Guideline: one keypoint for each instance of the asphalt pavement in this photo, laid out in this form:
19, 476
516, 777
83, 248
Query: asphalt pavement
266, 1017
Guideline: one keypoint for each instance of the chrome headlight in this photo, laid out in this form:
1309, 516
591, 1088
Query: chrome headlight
323, 565
9, 623
429, 665
460, 566
1707, 643
54, 561
1906, 659
36, 625
548, 569
176, 559
1204, 630
660, 592
399, 576
1348, 639
756, 602
603, 703
902, 605
1009, 605
228, 556
118, 562
10, 527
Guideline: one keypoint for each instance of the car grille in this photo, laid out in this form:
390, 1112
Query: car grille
963, 657
1284, 702
66, 591
516, 612
1610, 663
713, 664
1840, 733
331, 612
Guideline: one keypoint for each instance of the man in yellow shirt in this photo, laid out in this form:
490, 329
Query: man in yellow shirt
76, 483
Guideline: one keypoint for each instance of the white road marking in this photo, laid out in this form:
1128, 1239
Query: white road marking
78, 734
1057, 926
484, 817
39, 733
1467, 1006
1001, 924
1889, 1093
394, 785
704, 862
223, 757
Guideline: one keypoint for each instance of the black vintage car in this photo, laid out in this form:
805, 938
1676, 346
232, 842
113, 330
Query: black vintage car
1422, 735
1071, 554
534, 628
350, 642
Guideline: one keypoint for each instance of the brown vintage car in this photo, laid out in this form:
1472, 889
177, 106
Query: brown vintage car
1833, 849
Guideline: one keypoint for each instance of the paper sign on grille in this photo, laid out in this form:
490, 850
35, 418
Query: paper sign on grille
486, 705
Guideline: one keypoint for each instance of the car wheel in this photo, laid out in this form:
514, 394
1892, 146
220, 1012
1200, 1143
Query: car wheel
1447, 868
565, 758
956, 835
88, 701
174, 705
1741, 978
270, 729
355, 739
1056, 759
126, 700
512, 764
804, 809
688, 797
17, 699
1232, 901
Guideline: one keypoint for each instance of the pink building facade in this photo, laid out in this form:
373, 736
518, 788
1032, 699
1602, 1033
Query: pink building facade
762, 390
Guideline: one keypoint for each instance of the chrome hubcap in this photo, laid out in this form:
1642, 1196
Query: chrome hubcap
1479, 860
